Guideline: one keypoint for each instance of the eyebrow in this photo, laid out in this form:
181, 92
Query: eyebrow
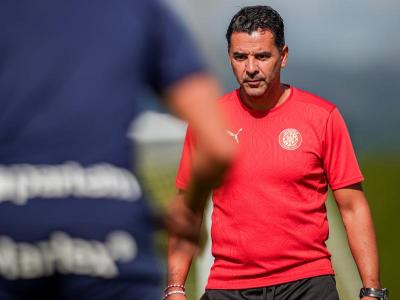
257, 53
263, 53
239, 53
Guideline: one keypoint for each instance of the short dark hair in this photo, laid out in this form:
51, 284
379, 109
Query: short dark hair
259, 17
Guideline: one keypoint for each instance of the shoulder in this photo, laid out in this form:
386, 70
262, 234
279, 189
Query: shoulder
229, 98
158, 10
312, 101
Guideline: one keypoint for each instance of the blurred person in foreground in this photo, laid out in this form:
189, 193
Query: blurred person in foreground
269, 222
73, 220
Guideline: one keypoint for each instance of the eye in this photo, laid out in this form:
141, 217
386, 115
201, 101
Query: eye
239, 56
262, 56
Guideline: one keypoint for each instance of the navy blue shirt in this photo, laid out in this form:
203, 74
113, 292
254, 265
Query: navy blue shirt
71, 78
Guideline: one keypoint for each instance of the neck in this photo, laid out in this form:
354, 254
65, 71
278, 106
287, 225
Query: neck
272, 98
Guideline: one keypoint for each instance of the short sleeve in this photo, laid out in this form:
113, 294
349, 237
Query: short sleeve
185, 166
174, 55
340, 162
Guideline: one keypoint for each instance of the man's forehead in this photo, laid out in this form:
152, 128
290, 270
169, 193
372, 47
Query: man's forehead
256, 40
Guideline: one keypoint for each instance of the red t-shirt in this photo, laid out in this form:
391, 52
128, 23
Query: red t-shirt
269, 223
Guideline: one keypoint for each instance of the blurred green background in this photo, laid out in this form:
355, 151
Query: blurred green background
382, 178
382, 172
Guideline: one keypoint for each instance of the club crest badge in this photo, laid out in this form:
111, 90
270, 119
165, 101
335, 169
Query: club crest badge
290, 139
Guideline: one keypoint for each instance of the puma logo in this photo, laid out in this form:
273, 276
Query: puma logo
235, 135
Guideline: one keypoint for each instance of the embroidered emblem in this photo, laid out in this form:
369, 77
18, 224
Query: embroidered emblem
235, 135
290, 139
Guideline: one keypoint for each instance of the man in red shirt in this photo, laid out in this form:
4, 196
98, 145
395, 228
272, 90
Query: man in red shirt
269, 223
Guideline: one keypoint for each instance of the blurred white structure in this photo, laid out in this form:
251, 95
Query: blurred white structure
157, 127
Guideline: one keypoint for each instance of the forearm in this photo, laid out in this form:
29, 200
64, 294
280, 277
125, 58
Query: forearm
362, 242
180, 256
182, 243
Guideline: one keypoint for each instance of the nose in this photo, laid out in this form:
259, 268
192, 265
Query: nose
251, 67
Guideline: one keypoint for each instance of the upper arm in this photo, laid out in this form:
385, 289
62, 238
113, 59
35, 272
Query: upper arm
350, 198
339, 159
174, 55
184, 172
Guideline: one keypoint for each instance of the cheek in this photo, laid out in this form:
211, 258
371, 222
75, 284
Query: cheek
270, 69
238, 70
278, 66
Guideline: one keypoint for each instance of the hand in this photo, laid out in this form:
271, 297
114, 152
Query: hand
181, 221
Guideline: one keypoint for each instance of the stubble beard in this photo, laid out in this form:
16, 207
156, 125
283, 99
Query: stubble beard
255, 92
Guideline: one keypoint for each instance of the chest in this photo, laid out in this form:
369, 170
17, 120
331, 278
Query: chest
276, 148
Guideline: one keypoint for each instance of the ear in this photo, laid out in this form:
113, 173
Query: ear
284, 56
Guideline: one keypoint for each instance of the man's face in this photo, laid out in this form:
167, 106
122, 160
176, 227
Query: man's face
256, 61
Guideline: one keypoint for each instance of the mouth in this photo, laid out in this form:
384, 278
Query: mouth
253, 83
254, 80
